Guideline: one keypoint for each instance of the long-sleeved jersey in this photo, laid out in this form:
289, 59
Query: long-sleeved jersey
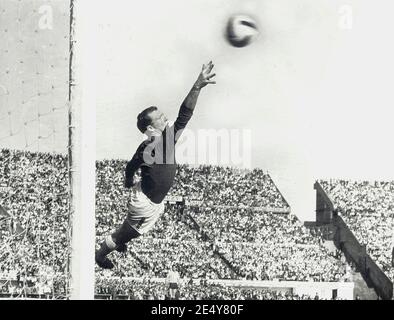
156, 158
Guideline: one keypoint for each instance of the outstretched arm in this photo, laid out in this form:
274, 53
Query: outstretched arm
203, 79
188, 105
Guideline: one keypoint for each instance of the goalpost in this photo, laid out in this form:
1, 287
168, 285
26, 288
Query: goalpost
81, 150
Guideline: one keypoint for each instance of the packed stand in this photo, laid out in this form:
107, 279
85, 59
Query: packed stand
268, 246
249, 225
34, 191
368, 210
145, 289
174, 240
213, 185
192, 258
283, 262
216, 185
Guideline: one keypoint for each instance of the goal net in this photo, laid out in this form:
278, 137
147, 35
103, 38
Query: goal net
38, 181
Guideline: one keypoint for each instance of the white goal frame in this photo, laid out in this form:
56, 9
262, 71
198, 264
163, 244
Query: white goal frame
82, 151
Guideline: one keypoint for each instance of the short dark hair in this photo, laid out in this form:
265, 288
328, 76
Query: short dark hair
143, 119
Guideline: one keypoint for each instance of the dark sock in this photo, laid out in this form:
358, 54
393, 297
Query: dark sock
120, 237
124, 234
106, 247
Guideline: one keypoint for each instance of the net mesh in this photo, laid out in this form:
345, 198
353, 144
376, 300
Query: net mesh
34, 64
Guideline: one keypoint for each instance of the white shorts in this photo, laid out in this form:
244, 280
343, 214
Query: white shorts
143, 213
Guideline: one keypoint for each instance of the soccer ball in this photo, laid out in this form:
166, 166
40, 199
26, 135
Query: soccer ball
241, 30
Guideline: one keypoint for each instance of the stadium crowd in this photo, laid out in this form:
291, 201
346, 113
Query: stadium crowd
283, 262
209, 184
112, 288
34, 237
194, 259
228, 186
368, 210
226, 237
268, 246
174, 240
275, 246
249, 225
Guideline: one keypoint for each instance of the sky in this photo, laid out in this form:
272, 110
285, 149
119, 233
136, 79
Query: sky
313, 89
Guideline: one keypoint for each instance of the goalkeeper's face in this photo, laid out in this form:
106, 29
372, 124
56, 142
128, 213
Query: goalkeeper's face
158, 120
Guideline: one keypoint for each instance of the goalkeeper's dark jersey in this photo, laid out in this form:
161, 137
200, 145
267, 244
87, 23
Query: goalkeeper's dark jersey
156, 158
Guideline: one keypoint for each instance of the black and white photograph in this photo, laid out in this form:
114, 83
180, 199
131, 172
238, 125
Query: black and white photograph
220, 150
